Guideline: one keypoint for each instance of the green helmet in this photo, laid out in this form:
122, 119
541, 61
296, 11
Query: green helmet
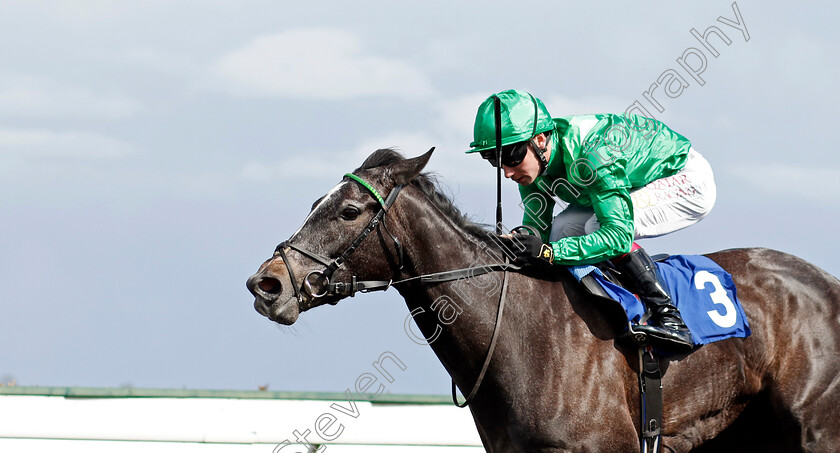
523, 116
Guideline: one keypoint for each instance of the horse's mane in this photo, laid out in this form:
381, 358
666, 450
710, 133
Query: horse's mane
428, 184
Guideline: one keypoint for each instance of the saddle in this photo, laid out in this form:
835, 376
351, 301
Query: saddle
594, 283
703, 292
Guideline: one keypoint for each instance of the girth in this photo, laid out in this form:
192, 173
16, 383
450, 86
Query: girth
650, 377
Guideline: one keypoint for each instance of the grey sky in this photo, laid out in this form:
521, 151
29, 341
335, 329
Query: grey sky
152, 154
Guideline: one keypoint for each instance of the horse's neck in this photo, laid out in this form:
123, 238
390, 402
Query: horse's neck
438, 244
458, 317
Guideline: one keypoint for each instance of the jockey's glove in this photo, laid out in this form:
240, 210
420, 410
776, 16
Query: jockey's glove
528, 249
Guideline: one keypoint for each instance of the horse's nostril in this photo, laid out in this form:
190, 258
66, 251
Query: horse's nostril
270, 285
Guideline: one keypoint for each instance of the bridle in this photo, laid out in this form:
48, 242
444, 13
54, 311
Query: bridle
355, 285
339, 288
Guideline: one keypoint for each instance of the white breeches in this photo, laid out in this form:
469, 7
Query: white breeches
661, 207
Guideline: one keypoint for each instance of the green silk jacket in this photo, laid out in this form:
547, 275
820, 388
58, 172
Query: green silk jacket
596, 161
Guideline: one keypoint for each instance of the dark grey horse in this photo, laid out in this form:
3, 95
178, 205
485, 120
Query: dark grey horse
558, 382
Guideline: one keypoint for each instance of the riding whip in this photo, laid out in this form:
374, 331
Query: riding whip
497, 107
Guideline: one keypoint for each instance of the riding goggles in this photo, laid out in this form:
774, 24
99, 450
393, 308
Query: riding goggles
512, 155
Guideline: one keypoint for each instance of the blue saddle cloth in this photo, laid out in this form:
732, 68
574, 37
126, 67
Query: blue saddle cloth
702, 291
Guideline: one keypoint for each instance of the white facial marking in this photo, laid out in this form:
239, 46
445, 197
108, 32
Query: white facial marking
326, 198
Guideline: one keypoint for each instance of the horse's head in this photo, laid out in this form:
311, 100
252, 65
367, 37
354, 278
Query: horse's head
345, 224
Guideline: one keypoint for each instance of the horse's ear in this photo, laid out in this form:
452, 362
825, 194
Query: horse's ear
405, 171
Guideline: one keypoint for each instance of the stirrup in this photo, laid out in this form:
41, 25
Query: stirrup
638, 337
663, 343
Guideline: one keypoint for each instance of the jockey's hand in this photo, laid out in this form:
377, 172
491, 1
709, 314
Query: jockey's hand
528, 249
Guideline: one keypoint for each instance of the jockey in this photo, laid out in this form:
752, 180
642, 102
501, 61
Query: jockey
620, 177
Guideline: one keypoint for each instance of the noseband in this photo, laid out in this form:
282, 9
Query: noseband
344, 289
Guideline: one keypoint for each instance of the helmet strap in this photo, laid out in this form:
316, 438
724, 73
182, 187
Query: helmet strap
540, 153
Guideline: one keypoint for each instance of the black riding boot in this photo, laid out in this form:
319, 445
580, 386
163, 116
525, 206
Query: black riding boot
668, 329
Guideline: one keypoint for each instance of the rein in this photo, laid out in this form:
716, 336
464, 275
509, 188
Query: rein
364, 286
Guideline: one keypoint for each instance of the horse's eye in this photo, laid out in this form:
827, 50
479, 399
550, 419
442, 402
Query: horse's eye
350, 213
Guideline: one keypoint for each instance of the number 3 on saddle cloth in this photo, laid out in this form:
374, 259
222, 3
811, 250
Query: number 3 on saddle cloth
702, 291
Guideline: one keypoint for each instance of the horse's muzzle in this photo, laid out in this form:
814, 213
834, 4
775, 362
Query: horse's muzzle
266, 287
267, 291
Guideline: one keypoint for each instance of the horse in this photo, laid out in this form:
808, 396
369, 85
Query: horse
558, 380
